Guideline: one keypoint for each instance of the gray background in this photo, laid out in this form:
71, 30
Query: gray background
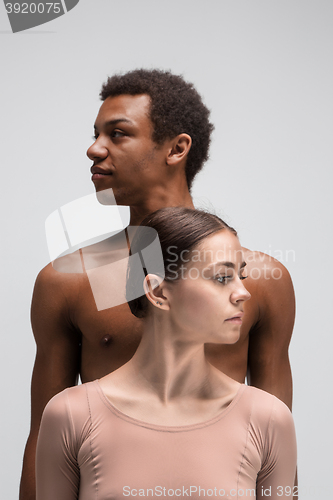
265, 69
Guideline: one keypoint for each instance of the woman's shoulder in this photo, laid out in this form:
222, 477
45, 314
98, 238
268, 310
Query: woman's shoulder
71, 402
68, 415
267, 408
272, 431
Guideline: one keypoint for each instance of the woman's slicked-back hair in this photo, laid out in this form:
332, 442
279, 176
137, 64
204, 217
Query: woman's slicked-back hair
176, 108
179, 229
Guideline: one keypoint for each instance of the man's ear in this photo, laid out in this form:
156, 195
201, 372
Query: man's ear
179, 149
153, 287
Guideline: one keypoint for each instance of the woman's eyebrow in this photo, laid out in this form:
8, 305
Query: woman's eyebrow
227, 264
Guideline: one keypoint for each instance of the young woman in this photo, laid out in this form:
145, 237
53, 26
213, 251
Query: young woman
168, 423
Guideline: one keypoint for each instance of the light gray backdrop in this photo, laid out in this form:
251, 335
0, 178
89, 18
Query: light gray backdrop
264, 68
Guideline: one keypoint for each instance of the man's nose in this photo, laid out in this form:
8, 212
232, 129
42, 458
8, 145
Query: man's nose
97, 151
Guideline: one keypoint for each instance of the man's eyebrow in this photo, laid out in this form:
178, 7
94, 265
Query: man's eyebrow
114, 122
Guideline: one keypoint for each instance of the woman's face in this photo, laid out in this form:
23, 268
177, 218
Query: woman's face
207, 301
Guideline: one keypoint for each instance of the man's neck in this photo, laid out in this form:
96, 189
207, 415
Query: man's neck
163, 199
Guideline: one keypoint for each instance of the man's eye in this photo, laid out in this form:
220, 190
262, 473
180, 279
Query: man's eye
117, 133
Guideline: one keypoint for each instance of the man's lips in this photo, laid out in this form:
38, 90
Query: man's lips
99, 173
99, 170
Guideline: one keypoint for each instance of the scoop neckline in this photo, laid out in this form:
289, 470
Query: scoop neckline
169, 428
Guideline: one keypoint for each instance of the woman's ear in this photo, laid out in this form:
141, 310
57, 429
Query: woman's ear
153, 287
179, 149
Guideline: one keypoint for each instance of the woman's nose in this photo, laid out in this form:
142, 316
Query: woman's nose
240, 293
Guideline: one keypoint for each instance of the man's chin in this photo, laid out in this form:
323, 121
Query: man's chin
112, 197
106, 196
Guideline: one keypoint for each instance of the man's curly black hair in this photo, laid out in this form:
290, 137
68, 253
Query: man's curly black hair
176, 108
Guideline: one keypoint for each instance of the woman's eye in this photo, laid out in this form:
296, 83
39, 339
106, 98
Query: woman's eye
223, 279
242, 277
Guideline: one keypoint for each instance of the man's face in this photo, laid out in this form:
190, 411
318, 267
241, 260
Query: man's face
125, 158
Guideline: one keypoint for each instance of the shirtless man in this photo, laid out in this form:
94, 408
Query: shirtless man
152, 137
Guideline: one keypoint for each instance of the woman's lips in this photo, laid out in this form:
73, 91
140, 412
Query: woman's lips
237, 319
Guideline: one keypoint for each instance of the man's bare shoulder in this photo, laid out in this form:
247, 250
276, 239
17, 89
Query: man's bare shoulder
263, 267
270, 285
70, 285
71, 263
101, 253
55, 281
55, 293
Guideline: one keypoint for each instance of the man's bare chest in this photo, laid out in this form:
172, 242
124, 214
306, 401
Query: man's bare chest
109, 337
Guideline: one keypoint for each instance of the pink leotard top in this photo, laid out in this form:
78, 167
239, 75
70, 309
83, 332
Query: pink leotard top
89, 450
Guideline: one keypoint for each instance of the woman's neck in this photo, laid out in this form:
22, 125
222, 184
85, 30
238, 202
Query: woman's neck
169, 366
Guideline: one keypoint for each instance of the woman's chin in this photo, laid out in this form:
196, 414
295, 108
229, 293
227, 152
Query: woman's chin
230, 338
